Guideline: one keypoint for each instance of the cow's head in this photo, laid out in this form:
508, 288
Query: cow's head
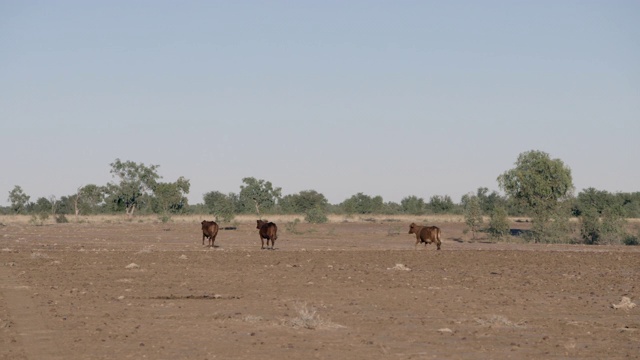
260, 223
412, 228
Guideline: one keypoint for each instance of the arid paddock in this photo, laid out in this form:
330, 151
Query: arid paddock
348, 289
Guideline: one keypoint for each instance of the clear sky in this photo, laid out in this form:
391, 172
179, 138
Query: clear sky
389, 98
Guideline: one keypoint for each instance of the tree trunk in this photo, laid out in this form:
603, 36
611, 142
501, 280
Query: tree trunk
257, 209
75, 203
130, 210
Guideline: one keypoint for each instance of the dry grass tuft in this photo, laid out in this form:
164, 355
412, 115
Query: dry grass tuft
499, 321
308, 318
252, 319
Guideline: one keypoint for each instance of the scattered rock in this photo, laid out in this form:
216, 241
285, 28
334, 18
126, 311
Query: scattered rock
402, 267
625, 304
132, 266
445, 330
183, 257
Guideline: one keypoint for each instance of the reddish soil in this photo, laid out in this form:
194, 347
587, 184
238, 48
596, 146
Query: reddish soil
331, 291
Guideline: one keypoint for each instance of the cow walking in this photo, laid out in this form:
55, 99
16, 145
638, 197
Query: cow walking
209, 231
425, 234
269, 231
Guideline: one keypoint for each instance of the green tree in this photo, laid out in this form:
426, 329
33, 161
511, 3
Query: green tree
540, 184
258, 195
87, 199
303, 201
171, 197
362, 204
311, 203
392, 208
316, 215
499, 226
590, 227
42, 206
489, 201
413, 205
135, 183
441, 204
592, 199
19, 200
614, 225
473, 214
630, 204
220, 205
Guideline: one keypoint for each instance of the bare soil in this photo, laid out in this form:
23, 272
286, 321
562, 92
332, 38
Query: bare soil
347, 290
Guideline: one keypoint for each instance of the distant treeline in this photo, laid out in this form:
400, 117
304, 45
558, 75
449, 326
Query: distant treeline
137, 189
93, 200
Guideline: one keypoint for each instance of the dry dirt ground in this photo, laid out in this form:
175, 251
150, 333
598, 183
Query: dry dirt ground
346, 290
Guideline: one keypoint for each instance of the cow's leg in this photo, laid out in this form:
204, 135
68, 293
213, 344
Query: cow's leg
213, 240
203, 236
273, 244
262, 240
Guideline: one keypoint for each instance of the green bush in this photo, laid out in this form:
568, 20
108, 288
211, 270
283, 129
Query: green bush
316, 216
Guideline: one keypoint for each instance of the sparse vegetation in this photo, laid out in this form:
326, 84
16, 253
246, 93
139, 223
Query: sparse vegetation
316, 215
499, 321
292, 226
473, 215
39, 219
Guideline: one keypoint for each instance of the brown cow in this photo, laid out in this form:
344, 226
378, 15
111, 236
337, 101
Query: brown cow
209, 231
425, 234
267, 230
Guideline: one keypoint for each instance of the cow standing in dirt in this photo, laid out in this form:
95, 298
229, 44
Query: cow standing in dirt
269, 231
425, 234
209, 231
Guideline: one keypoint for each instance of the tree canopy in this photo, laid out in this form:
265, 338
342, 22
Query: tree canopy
171, 197
537, 181
135, 182
303, 201
258, 195
540, 184
362, 204
18, 200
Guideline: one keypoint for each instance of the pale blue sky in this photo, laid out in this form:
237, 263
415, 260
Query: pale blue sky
390, 98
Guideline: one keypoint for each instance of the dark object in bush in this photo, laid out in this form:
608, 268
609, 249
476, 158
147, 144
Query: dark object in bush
519, 232
631, 240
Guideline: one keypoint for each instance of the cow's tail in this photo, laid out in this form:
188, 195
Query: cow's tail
438, 242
